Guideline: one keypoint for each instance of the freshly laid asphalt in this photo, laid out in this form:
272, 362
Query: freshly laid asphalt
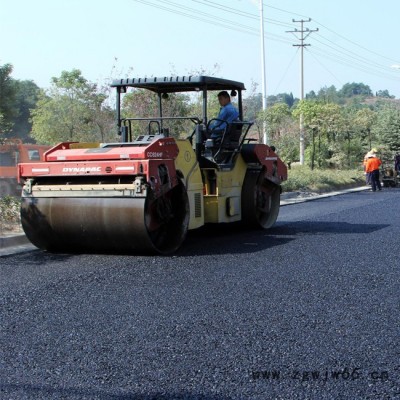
309, 310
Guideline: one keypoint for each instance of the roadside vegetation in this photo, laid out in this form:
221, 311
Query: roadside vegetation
300, 178
9, 213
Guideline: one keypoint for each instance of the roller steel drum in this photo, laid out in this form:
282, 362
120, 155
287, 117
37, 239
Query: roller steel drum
104, 224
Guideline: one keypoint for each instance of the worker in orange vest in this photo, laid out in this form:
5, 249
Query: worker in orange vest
372, 168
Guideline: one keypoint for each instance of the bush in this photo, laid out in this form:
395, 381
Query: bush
320, 180
9, 212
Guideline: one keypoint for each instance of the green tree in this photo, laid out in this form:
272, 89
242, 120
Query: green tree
355, 89
141, 103
387, 127
328, 95
275, 117
252, 105
72, 110
311, 96
281, 130
7, 98
364, 119
286, 98
331, 122
27, 93
311, 112
288, 144
347, 149
384, 94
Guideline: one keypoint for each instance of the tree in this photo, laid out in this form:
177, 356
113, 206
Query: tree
387, 127
72, 110
27, 93
347, 149
281, 98
311, 95
328, 95
288, 144
275, 118
364, 120
252, 105
355, 89
141, 103
7, 98
326, 125
311, 112
385, 94
331, 122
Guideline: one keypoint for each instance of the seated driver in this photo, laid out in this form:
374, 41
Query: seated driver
228, 113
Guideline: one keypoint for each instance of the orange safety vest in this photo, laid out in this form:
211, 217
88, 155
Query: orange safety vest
373, 163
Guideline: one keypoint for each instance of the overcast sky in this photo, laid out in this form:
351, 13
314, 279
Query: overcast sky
356, 41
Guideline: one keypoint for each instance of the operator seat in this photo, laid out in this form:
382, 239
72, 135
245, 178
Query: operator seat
230, 142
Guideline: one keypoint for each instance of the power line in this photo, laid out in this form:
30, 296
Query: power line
343, 55
245, 14
226, 23
286, 71
356, 44
210, 19
352, 54
323, 66
348, 63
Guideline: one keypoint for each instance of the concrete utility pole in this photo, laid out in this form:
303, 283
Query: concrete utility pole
304, 33
264, 86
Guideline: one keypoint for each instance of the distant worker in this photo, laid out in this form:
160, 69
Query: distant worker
372, 168
227, 114
367, 175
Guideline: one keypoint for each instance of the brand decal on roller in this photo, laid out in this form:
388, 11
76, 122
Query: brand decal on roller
81, 169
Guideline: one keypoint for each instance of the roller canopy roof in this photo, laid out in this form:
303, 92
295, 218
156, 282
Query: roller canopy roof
179, 84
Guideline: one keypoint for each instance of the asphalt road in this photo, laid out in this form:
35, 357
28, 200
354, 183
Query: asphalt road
307, 310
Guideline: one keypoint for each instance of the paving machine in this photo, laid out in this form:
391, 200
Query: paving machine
391, 176
142, 194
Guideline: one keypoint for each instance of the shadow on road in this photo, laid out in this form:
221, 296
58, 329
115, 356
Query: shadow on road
322, 227
233, 239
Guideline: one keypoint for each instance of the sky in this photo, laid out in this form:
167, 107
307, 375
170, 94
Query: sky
356, 41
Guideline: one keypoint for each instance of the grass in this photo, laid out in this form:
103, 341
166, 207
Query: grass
301, 178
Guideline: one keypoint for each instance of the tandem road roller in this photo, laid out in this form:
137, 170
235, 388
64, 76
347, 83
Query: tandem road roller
143, 193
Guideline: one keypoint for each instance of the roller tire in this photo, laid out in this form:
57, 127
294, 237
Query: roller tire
260, 201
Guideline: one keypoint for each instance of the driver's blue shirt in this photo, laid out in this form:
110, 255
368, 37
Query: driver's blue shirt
227, 113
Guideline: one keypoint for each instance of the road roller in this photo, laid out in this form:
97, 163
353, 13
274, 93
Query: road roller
145, 191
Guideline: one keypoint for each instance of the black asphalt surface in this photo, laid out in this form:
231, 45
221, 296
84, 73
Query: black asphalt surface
307, 310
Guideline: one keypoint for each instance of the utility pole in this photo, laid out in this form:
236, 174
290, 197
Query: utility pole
264, 86
304, 33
